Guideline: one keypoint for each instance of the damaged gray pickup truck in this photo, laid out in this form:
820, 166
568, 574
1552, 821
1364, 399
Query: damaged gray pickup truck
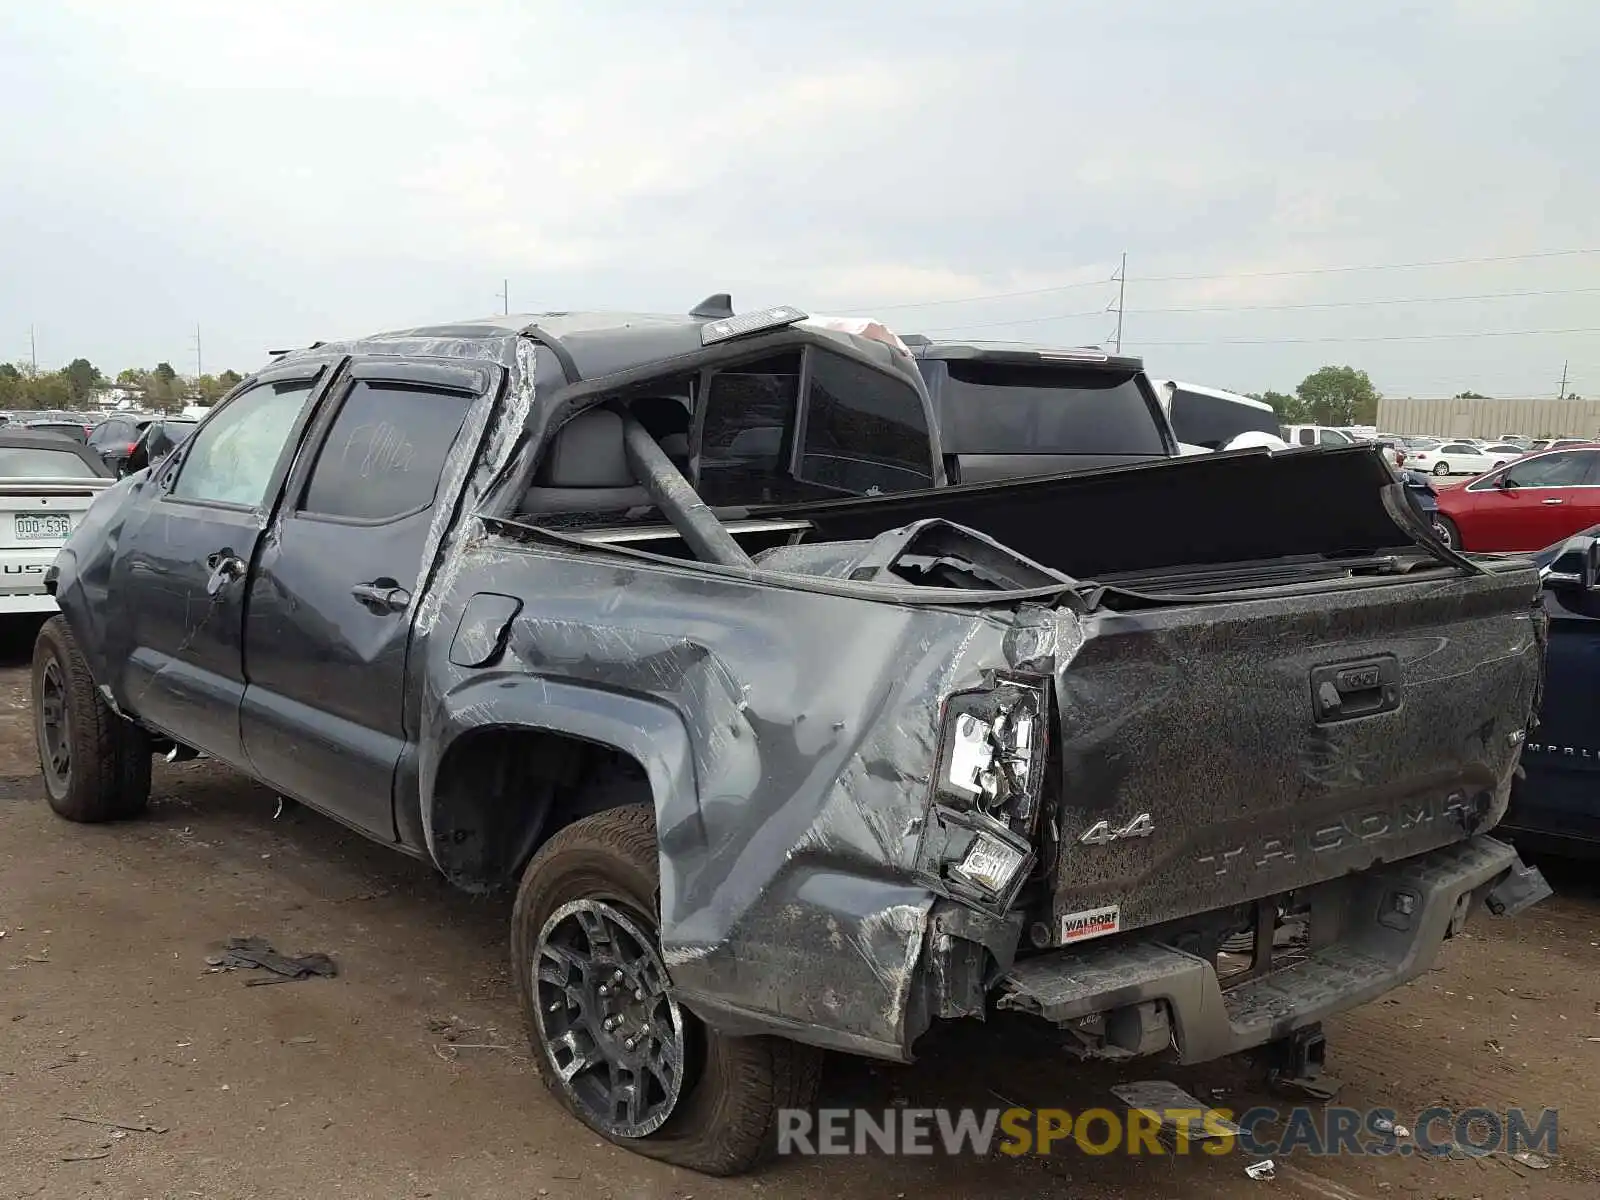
672, 623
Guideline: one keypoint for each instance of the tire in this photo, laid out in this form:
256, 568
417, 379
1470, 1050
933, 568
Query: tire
95, 764
723, 1119
1441, 468
1448, 533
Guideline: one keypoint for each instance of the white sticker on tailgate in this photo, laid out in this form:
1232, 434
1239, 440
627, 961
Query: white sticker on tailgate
41, 528
1091, 923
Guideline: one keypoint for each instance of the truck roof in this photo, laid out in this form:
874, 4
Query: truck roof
1002, 351
590, 345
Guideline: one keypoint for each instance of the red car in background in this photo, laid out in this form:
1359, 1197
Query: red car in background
1527, 505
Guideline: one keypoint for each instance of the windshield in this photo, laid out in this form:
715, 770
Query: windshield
18, 462
1023, 408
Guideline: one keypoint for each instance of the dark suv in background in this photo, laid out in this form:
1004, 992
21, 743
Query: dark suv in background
114, 439
1010, 409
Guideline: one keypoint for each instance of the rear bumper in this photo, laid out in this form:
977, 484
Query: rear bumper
28, 602
1388, 924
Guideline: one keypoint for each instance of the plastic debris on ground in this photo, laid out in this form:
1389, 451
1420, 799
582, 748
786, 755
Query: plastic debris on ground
244, 953
1157, 1098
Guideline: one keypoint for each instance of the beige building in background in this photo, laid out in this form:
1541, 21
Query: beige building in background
1489, 418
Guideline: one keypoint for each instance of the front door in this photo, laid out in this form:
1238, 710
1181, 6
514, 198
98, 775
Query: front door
1535, 503
179, 577
334, 595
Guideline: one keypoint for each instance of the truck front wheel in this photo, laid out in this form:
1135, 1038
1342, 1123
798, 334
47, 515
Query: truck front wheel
611, 1041
95, 763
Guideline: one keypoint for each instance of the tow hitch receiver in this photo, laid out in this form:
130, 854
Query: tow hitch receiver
1295, 1063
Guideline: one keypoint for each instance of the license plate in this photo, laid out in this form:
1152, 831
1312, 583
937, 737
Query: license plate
40, 529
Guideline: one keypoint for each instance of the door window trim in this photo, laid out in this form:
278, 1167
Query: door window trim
1488, 482
473, 383
320, 377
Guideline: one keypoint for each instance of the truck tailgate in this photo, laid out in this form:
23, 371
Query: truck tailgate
1219, 753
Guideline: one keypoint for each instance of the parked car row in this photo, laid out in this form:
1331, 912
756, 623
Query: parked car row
115, 438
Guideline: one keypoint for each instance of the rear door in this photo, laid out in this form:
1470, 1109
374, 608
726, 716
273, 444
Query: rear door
180, 573
334, 594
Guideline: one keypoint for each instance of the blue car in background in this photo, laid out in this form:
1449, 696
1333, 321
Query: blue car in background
1555, 805
1420, 488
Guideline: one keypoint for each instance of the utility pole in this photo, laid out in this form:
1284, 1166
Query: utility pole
199, 366
1122, 291
33, 350
505, 296
1562, 394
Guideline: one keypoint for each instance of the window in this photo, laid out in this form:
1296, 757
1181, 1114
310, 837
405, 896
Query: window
745, 430
232, 459
1200, 419
114, 432
28, 463
1306, 437
988, 407
1459, 448
1553, 470
385, 451
1332, 437
865, 433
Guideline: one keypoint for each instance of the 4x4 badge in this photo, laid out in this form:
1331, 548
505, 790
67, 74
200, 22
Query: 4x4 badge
1103, 833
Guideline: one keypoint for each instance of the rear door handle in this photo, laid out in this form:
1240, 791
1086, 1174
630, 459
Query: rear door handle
1552, 500
382, 596
226, 566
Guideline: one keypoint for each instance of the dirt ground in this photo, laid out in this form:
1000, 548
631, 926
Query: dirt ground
407, 1075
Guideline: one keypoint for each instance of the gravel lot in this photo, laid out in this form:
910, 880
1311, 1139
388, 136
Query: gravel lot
408, 1076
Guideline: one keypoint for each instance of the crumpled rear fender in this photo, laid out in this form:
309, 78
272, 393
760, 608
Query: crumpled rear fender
790, 739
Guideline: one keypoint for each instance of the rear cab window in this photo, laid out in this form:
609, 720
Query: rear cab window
859, 431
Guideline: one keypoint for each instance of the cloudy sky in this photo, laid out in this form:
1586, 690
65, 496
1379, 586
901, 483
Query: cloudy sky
289, 171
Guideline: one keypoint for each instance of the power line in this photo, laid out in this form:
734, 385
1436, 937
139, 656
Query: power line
1410, 266
1403, 337
1067, 287
1231, 308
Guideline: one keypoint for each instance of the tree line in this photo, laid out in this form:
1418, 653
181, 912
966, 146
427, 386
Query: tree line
1328, 396
79, 384
1338, 396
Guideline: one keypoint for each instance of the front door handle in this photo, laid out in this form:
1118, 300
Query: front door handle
226, 566
1552, 500
382, 596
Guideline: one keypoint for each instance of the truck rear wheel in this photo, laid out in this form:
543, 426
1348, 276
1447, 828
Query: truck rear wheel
95, 764
611, 1041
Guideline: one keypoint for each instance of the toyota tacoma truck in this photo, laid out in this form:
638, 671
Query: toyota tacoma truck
675, 625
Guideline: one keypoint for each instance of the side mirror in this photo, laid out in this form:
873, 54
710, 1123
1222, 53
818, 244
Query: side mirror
1577, 567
